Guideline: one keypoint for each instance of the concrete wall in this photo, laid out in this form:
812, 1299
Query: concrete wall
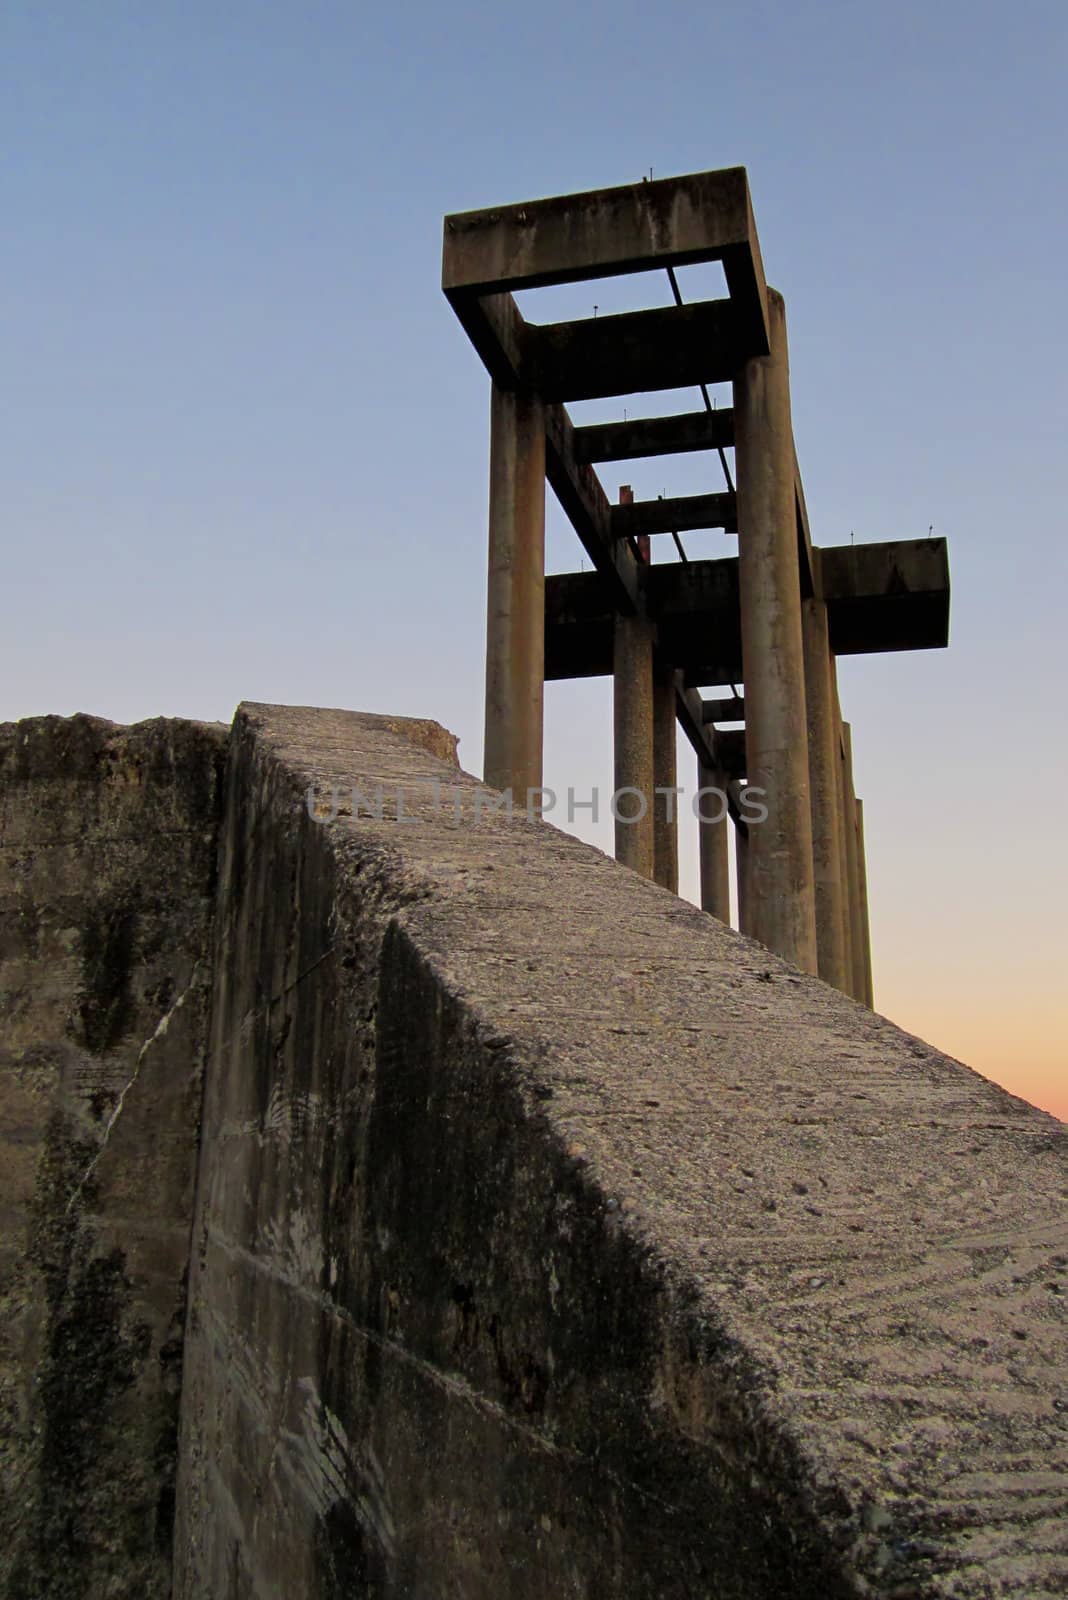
107, 863
551, 1239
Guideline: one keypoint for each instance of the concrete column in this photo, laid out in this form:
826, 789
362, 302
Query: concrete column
843, 854
714, 845
782, 895
633, 727
515, 627
742, 855
868, 995
857, 986
823, 795
665, 776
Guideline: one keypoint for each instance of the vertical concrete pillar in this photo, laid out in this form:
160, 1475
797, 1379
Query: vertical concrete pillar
868, 995
741, 872
633, 728
857, 986
843, 853
823, 794
712, 826
515, 626
665, 777
782, 901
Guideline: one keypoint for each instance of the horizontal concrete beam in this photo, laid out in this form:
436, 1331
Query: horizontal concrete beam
730, 743
501, 335
702, 216
655, 436
585, 503
672, 348
891, 602
678, 515
694, 608
892, 596
730, 710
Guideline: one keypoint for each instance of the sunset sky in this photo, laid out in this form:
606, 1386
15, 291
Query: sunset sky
244, 442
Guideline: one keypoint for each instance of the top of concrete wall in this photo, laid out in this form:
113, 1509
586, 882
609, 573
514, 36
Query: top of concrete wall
868, 1236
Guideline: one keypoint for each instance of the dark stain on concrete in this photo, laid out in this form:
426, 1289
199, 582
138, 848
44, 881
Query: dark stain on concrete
109, 938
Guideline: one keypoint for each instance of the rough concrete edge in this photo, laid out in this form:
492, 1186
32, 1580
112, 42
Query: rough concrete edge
812, 1495
430, 735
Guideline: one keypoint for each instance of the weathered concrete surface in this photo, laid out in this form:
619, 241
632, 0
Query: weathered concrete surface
515, 600
553, 1240
107, 861
781, 890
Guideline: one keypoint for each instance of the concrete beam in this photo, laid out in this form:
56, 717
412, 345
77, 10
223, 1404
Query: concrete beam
586, 505
730, 745
672, 348
655, 436
695, 607
677, 514
705, 742
892, 596
701, 216
728, 710
500, 334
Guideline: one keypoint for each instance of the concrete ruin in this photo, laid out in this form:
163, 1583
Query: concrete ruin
403, 1201
773, 620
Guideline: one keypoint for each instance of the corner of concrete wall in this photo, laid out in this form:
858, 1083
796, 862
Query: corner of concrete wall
551, 1239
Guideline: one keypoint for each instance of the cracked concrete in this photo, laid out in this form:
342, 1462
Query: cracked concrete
159, 1032
647, 1266
549, 1238
107, 864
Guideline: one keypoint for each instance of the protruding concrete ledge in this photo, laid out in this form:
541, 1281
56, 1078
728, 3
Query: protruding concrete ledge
892, 596
552, 1239
702, 216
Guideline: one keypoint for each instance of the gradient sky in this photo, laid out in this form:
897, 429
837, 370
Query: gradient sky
244, 440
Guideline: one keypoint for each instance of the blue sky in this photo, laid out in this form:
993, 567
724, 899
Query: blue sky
244, 441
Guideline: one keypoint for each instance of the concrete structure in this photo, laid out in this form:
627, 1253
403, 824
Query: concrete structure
108, 841
862, 909
549, 1238
857, 984
665, 781
822, 744
781, 887
515, 632
714, 844
633, 729
842, 816
709, 623
741, 873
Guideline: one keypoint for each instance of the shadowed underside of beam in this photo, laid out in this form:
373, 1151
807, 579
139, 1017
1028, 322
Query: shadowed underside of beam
879, 597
